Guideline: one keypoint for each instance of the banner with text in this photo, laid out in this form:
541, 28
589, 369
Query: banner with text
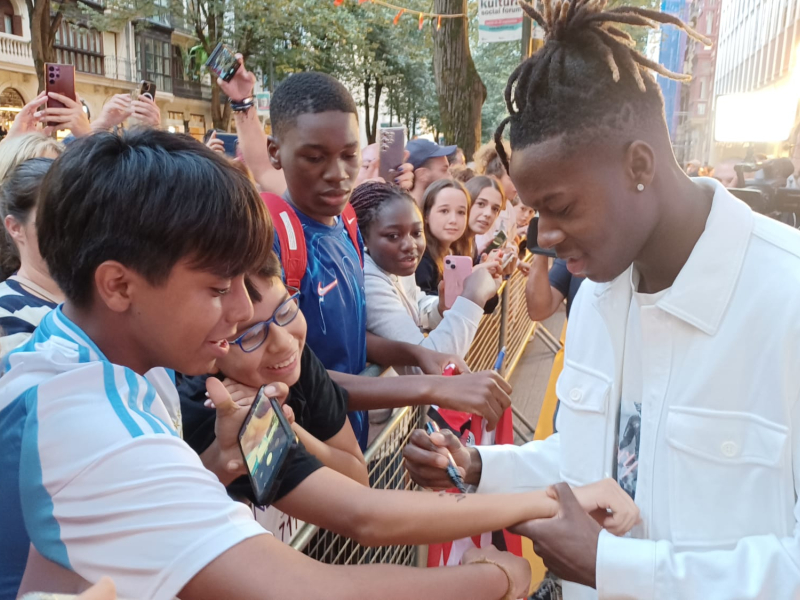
499, 21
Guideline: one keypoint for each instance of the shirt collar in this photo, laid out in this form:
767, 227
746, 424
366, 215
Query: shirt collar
77, 334
705, 285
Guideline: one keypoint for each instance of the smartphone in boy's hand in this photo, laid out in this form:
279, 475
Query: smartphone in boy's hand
267, 441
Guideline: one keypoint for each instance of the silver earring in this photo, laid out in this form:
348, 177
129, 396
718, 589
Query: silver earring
640, 187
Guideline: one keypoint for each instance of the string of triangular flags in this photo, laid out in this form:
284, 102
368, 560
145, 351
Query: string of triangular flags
402, 11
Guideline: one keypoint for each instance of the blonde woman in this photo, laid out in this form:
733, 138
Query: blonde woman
27, 292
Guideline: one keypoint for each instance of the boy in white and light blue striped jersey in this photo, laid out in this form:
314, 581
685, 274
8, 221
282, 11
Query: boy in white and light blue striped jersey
149, 236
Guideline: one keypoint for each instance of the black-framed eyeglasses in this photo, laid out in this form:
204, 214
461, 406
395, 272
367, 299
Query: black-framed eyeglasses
255, 335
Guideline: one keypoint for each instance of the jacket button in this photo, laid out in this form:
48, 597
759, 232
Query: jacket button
730, 449
575, 394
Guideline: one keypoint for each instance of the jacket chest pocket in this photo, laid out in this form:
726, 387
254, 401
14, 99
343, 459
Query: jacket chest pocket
727, 477
582, 423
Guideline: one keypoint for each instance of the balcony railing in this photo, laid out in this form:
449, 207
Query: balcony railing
119, 68
17, 51
191, 89
14, 49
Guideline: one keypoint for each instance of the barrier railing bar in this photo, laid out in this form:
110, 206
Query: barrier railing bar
503, 322
306, 532
508, 327
549, 340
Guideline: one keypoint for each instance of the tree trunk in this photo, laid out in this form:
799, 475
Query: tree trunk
220, 111
43, 30
459, 87
370, 138
373, 133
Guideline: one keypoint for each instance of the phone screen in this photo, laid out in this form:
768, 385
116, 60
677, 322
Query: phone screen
266, 440
223, 62
499, 241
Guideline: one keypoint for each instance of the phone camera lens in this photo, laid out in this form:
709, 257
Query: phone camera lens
52, 80
452, 266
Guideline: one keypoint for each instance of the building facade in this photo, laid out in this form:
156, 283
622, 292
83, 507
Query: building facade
108, 63
757, 80
672, 49
695, 134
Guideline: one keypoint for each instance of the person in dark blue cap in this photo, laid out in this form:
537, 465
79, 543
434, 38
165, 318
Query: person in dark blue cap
430, 164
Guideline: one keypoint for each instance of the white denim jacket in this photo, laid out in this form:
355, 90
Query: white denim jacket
719, 456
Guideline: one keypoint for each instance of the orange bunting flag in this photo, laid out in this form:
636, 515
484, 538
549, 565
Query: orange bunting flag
398, 15
439, 23
338, 2
421, 20
362, 1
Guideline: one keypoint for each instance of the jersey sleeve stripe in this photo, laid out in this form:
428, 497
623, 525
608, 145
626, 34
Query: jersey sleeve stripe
147, 403
116, 401
38, 509
84, 339
133, 401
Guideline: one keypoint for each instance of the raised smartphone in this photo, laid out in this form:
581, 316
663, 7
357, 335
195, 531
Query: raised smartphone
392, 147
499, 241
231, 140
456, 271
61, 80
222, 62
147, 88
266, 441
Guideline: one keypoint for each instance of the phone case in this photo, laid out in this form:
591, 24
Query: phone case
230, 140
61, 80
499, 241
264, 497
392, 148
222, 62
533, 242
456, 270
147, 88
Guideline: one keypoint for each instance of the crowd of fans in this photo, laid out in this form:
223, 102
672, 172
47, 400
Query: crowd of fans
106, 273
152, 285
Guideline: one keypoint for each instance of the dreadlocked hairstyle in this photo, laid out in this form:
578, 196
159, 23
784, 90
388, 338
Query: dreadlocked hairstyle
565, 87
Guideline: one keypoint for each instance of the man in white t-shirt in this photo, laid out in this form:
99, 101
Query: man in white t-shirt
681, 373
149, 236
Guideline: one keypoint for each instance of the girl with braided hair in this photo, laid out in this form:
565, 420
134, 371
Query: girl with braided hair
391, 224
686, 331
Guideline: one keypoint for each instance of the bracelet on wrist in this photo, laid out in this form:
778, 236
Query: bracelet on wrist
243, 105
509, 595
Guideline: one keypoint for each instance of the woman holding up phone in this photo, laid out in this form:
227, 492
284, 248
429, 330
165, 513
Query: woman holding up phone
445, 208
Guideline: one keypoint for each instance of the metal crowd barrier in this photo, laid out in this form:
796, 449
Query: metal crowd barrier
508, 326
384, 458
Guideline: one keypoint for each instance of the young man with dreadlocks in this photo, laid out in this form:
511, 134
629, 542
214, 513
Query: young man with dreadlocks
680, 376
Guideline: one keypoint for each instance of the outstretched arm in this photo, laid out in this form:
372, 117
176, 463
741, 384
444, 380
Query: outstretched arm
252, 139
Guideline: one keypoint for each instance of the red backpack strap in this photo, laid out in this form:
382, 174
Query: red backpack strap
351, 224
290, 237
